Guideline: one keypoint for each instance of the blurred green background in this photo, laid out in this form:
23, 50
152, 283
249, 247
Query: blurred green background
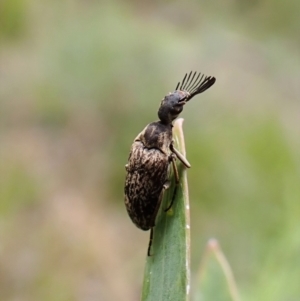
80, 79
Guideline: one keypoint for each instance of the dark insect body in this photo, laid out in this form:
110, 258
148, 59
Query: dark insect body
152, 153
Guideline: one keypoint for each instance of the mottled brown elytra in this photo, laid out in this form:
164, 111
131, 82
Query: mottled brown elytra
153, 151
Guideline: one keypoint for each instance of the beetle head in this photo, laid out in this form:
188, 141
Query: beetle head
172, 105
191, 85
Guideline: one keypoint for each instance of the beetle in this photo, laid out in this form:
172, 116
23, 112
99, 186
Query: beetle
153, 152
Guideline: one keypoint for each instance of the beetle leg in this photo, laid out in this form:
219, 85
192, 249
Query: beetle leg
181, 157
173, 160
165, 186
184, 161
150, 242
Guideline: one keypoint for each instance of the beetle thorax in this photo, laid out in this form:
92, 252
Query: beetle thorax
157, 135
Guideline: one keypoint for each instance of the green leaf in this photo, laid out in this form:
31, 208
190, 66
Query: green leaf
167, 271
215, 281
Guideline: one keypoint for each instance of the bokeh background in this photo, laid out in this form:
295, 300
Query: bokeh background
80, 79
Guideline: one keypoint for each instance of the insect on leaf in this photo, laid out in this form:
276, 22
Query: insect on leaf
167, 271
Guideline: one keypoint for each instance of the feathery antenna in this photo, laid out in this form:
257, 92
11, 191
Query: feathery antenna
195, 84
